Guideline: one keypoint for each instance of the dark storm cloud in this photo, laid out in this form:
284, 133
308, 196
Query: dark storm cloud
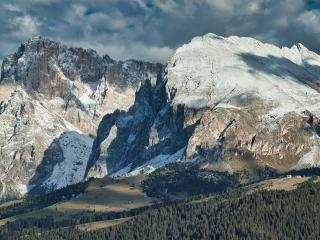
152, 29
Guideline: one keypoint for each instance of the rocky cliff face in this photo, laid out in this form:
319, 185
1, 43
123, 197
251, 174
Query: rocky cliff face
81, 78
229, 103
51, 98
151, 129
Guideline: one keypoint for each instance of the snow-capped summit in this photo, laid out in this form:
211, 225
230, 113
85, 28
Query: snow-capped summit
215, 71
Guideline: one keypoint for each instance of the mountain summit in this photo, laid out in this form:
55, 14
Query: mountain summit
213, 71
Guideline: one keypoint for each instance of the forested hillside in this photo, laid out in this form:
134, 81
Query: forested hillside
261, 215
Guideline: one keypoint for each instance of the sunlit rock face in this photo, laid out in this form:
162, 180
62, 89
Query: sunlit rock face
52, 97
229, 103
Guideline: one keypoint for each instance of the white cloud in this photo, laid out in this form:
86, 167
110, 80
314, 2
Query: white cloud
311, 20
167, 5
75, 14
11, 7
25, 26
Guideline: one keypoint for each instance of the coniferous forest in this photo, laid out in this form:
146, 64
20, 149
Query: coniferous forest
232, 215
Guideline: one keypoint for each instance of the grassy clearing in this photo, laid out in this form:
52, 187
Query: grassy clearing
102, 195
7, 204
287, 184
105, 195
101, 224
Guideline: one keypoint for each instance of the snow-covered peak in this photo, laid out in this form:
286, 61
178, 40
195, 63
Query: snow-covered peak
300, 47
242, 72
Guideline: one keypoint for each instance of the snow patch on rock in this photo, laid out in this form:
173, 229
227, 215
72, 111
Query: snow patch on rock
76, 150
310, 159
151, 165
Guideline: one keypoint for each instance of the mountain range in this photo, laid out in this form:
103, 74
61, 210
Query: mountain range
229, 104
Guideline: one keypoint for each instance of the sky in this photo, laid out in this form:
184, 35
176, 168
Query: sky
151, 30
